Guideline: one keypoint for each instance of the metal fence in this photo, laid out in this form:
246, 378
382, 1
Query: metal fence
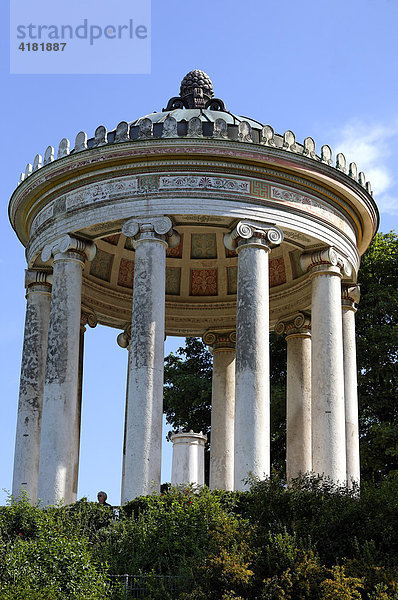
139, 587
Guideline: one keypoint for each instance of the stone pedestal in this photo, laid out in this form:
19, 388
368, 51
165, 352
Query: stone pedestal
188, 465
145, 388
222, 409
298, 410
252, 242
58, 454
327, 411
350, 296
27, 441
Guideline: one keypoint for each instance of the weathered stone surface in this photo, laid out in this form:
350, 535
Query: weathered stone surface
59, 443
145, 389
49, 155
327, 379
298, 411
122, 132
100, 136
27, 442
63, 148
222, 409
81, 141
349, 296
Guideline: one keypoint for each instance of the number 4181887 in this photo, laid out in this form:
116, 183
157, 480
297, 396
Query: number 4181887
42, 46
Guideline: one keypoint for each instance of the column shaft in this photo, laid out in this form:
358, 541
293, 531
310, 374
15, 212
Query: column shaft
58, 449
298, 414
328, 418
146, 357
351, 396
27, 442
252, 410
222, 344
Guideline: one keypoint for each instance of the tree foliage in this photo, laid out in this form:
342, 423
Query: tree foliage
311, 541
377, 353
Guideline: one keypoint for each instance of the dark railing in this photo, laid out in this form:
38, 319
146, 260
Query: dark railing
139, 587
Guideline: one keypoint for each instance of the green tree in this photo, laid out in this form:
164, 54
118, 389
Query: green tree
377, 355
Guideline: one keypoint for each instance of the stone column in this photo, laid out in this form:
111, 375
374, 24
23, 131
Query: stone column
27, 441
222, 344
298, 411
253, 243
58, 448
90, 319
123, 340
188, 465
146, 355
327, 381
350, 296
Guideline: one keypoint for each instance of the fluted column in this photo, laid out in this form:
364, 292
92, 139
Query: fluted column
222, 344
253, 243
298, 410
326, 268
350, 296
27, 440
58, 447
146, 355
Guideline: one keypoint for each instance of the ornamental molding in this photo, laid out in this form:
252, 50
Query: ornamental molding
220, 340
259, 234
325, 260
250, 190
350, 295
152, 228
67, 243
204, 182
298, 323
88, 317
35, 277
123, 339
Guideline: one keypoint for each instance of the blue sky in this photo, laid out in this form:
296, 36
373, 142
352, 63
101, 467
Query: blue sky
320, 68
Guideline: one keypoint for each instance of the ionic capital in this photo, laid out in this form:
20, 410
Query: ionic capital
38, 280
219, 340
88, 318
68, 244
350, 295
157, 229
296, 325
123, 339
249, 234
325, 262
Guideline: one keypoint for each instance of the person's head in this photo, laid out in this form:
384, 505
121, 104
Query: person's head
102, 496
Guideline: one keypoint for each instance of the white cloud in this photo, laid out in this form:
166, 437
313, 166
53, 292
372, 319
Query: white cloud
371, 147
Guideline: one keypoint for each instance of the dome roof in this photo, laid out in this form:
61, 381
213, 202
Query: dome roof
205, 115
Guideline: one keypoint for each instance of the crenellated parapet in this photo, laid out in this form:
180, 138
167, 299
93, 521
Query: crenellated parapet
208, 119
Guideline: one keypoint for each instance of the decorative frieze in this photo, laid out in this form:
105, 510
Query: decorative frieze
204, 182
